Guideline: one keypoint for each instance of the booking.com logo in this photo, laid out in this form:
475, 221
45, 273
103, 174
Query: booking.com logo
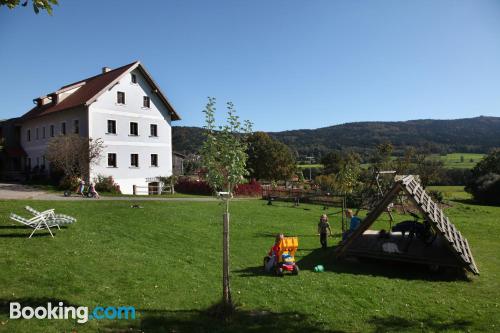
80, 313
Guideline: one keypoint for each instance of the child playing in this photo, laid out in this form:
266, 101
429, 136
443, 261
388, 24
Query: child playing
353, 224
323, 227
274, 253
92, 191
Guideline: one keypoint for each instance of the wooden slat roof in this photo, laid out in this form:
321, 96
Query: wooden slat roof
458, 244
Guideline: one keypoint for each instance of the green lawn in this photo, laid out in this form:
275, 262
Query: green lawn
459, 160
452, 192
312, 166
164, 259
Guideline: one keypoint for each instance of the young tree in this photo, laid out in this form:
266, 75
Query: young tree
37, 4
349, 172
224, 157
73, 154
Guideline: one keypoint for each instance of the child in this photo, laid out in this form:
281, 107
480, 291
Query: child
92, 191
353, 224
274, 253
323, 227
81, 187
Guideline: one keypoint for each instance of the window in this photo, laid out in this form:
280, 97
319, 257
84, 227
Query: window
120, 97
51, 131
134, 160
76, 126
43, 132
111, 126
134, 129
133, 78
146, 102
112, 160
28, 135
37, 130
63, 128
154, 130
154, 160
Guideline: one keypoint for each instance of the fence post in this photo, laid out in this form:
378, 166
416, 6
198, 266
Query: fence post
134, 190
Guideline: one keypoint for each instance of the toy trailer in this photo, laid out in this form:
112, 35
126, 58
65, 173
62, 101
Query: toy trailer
286, 258
448, 248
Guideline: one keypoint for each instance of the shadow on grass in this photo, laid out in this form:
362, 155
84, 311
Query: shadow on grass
432, 324
24, 227
26, 235
253, 271
473, 202
274, 234
386, 268
201, 321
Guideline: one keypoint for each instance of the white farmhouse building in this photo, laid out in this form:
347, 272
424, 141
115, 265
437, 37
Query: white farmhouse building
124, 107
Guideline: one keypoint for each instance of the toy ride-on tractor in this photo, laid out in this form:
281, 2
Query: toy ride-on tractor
281, 258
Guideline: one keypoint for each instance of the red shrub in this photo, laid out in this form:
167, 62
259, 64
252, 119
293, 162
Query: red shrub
253, 188
190, 186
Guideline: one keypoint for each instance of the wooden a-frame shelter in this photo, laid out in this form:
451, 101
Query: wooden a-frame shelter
449, 248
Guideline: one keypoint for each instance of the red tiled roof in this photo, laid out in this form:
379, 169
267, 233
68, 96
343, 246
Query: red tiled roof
91, 87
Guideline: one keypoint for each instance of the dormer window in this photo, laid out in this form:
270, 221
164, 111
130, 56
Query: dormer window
133, 78
146, 102
120, 97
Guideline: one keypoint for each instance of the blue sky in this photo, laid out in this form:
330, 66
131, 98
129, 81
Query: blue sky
285, 64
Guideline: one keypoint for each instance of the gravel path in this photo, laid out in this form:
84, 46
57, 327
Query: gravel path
20, 192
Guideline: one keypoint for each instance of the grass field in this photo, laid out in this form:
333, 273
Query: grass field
451, 161
164, 259
459, 160
307, 166
452, 192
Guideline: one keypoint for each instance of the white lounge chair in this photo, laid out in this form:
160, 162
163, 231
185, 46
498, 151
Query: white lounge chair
52, 217
37, 223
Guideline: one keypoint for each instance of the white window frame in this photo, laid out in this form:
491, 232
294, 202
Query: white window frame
107, 127
130, 128
116, 160
74, 127
138, 164
151, 160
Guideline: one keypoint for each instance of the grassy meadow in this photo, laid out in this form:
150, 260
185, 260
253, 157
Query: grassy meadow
165, 259
459, 160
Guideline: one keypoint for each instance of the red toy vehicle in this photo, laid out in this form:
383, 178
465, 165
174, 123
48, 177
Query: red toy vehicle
282, 257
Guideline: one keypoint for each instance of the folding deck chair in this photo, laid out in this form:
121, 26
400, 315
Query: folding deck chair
36, 223
52, 217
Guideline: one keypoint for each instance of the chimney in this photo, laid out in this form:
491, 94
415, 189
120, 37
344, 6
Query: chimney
105, 70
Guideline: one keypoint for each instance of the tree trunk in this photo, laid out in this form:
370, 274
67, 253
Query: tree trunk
226, 289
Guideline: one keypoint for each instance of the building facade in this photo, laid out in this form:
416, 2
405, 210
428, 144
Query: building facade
124, 107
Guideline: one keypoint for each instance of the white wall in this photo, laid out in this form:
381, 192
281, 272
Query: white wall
36, 148
122, 143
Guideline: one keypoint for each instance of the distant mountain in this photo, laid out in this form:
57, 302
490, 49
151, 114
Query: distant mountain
477, 135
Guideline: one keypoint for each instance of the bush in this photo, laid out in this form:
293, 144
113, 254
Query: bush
486, 189
190, 186
106, 184
436, 196
68, 183
253, 188
484, 181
